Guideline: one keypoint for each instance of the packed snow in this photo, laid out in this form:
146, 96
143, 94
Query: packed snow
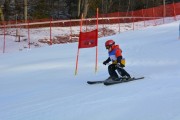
39, 84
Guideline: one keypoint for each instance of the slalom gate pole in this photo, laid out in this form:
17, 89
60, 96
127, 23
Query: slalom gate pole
97, 42
77, 58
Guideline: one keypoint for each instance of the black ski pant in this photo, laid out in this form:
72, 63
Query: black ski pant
112, 71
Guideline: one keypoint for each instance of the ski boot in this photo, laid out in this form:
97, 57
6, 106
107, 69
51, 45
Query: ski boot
125, 78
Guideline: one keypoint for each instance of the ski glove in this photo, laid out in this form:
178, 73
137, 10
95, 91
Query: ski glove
119, 65
105, 62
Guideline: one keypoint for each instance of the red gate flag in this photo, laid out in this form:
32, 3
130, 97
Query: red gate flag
88, 39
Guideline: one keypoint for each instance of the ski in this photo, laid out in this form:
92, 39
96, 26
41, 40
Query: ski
121, 81
96, 82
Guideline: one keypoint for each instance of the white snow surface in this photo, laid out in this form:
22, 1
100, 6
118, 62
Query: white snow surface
39, 84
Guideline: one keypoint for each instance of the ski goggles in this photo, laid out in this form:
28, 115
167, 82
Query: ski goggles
107, 47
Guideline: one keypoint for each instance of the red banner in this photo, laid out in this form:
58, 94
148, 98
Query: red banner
88, 39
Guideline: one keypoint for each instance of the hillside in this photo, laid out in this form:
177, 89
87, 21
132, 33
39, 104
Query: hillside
39, 84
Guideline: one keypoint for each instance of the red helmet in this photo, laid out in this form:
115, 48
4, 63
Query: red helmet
109, 43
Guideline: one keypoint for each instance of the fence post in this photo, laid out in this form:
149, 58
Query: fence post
143, 17
179, 31
119, 22
164, 11
70, 30
4, 45
132, 14
28, 35
154, 16
174, 9
51, 31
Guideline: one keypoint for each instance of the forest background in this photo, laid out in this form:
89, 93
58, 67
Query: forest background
70, 9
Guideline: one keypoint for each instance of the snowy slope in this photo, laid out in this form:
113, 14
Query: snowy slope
39, 84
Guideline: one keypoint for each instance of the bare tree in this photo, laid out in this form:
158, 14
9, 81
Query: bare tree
1, 14
6, 9
83, 6
79, 8
1, 10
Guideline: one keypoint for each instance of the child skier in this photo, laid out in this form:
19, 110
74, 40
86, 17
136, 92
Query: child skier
115, 55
